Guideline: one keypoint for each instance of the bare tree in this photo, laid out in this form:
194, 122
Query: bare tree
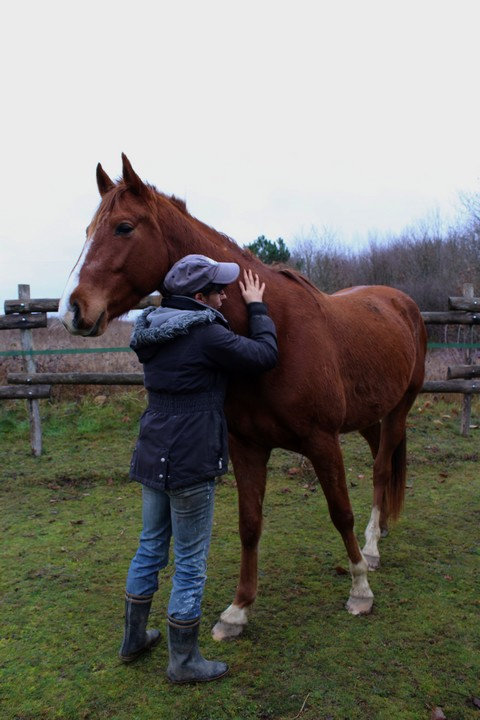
428, 260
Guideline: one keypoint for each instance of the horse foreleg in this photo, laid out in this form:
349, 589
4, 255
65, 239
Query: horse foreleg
250, 468
326, 457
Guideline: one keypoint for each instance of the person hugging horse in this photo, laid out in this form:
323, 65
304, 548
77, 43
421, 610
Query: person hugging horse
188, 352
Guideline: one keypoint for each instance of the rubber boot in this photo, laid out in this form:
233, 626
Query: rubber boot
186, 662
137, 639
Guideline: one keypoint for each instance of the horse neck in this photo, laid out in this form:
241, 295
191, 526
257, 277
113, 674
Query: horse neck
185, 235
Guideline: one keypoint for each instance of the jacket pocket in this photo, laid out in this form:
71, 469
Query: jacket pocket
150, 463
216, 444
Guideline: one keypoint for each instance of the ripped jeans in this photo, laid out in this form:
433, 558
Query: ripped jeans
187, 513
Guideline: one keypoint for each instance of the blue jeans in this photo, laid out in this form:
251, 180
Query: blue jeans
187, 513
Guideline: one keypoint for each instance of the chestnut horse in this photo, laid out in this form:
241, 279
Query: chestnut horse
353, 360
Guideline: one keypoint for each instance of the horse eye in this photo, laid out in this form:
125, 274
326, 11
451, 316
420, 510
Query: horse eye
123, 229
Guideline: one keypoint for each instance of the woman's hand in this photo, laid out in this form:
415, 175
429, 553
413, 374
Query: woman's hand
251, 289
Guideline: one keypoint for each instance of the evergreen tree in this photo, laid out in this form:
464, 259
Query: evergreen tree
269, 251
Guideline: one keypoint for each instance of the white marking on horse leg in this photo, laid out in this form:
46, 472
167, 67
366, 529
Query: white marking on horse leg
372, 536
231, 624
64, 308
360, 601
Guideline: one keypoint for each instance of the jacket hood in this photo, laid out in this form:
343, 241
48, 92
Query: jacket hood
156, 326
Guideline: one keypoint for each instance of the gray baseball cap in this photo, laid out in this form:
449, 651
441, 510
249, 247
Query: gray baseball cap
193, 272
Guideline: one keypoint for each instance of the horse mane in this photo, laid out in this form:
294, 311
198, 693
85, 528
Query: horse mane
247, 255
179, 203
207, 231
300, 279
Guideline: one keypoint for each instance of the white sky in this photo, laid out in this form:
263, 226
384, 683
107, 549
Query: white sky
268, 117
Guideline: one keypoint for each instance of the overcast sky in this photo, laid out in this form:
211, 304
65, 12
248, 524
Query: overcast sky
267, 117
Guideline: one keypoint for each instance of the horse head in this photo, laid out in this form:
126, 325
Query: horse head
112, 274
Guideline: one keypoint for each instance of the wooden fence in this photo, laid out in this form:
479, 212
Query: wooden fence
26, 314
460, 379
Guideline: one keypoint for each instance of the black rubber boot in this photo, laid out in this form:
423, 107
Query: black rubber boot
137, 639
186, 662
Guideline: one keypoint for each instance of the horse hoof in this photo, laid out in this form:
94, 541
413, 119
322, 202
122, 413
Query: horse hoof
373, 561
359, 606
383, 532
226, 631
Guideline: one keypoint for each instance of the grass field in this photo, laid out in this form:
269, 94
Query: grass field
70, 523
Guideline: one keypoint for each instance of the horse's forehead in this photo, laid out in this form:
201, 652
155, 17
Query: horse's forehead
122, 201
114, 207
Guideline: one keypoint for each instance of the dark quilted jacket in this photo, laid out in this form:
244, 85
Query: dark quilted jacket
188, 352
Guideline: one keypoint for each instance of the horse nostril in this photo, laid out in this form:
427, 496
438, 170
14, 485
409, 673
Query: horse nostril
76, 315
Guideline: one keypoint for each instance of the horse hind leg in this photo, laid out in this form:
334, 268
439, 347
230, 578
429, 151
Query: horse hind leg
250, 467
389, 473
373, 531
326, 457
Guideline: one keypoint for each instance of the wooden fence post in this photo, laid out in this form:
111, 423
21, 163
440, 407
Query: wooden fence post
29, 363
467, 399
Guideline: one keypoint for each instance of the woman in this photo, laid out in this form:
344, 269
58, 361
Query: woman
187, 350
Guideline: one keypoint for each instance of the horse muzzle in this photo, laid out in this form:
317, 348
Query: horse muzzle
80, 320
84, 328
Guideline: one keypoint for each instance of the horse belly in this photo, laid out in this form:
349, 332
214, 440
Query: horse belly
373, 388
280, 411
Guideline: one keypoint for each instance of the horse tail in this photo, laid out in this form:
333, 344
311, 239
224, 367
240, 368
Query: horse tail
395, 487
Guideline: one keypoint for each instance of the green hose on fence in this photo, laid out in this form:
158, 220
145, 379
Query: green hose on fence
65, 351
79, 351
453, 345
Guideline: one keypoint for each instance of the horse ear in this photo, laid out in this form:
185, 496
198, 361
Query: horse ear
131, 178
103, 181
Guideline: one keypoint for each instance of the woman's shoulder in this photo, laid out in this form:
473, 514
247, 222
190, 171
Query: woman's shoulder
160, 325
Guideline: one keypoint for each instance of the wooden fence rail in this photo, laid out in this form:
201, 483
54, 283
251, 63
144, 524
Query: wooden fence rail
461, 387
22, 322
45, 305
463, 371
26, 314
451, 318
465, 302
75, 378
12, 392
